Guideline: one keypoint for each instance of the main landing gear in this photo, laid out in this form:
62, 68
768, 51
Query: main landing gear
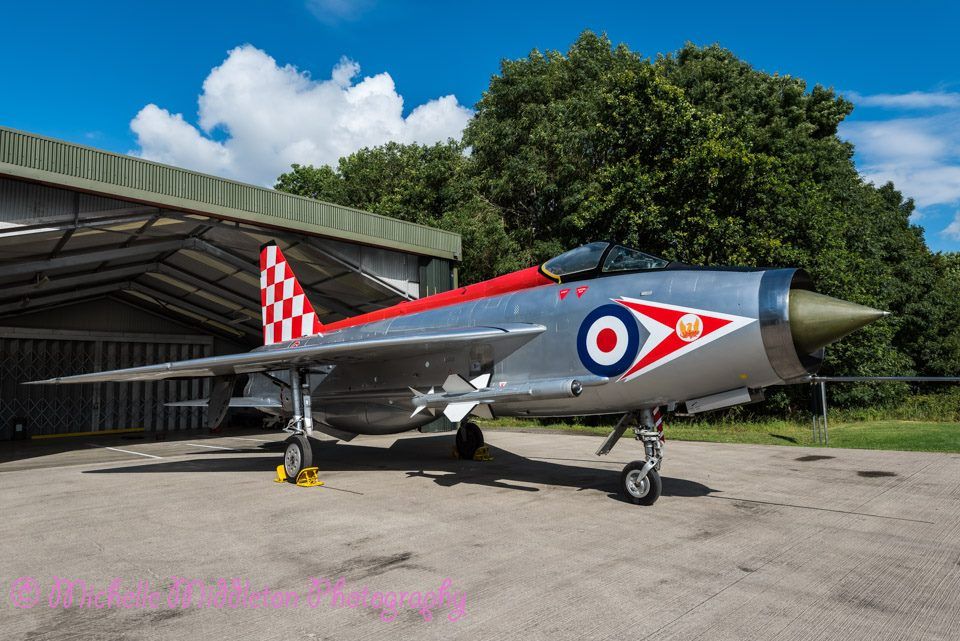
640, 480
469, 440
297, 456
299, 453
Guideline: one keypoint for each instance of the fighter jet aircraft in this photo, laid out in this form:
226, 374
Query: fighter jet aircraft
600, 329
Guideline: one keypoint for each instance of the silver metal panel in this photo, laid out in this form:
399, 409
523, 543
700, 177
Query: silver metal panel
738, 360
716, 401
399, 270
27, 202
774, 316
435, 277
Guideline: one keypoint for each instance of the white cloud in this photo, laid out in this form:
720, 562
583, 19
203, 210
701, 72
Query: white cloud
168, 138
910, 100
953, 229
920, 155
897, 139
335, 11
257, 118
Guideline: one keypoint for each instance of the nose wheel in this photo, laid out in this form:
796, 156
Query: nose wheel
640, 486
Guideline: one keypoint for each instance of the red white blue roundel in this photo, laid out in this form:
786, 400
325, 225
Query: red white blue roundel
608, 340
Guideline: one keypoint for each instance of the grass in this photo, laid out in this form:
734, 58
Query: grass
920, 436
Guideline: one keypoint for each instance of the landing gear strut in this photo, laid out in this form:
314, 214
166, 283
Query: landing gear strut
469, 440
299, 453
640, 480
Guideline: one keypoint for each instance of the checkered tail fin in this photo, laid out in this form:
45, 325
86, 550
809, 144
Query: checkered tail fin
287, 314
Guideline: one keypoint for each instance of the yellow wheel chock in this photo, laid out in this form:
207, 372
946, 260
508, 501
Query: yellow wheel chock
306, 478
482, 454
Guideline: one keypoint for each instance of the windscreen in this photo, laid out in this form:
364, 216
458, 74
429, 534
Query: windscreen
576, 260
623, 259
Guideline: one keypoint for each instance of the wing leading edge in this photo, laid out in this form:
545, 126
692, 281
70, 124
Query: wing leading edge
384, 348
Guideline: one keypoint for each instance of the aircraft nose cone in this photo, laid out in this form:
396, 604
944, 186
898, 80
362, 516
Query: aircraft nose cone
817, 320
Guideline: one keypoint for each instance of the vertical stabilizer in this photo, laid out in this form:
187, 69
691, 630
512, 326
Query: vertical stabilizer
287, 314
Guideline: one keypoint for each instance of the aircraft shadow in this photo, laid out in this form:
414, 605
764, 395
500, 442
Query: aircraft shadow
426, 457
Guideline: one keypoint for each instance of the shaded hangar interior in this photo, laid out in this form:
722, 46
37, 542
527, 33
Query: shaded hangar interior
111, 261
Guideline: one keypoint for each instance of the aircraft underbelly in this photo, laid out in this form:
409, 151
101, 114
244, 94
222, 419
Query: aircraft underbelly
369, 418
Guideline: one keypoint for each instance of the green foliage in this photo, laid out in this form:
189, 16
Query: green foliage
941, 406
422, 184
694, 156
319, 183
701, 158
875, 434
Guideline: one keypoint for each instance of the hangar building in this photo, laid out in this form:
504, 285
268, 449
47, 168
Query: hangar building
111, 261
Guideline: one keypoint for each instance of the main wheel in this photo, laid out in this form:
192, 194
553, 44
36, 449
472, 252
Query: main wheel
469, 440
639, 491
297, 456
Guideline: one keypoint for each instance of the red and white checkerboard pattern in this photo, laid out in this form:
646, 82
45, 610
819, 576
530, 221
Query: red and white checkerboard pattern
287, 314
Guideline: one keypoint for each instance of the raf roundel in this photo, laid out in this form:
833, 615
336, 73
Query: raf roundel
608, 340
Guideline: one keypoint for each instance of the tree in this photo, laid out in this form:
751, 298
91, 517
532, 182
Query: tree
701, 158
319, 183
418, 183
695, 156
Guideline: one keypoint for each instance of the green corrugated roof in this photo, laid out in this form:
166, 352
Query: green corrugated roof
55, 162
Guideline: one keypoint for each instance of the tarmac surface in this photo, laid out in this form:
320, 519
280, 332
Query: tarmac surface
747, 542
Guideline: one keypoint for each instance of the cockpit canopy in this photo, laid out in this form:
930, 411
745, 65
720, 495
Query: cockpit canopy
597, 259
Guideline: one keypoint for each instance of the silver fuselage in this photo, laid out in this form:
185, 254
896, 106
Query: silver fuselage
376, 398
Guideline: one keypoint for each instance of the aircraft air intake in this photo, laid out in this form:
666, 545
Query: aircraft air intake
796, 323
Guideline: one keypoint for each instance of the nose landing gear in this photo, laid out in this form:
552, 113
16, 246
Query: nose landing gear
640, 480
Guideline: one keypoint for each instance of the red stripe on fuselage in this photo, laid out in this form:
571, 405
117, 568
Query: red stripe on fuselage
513, 282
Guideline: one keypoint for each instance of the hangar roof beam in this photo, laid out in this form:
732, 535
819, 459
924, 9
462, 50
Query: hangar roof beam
201, 284
200, 313
311, 244
95, 256
35, 289
136, 215
26, 305
207, 295
357, 269
73, 217
198, 244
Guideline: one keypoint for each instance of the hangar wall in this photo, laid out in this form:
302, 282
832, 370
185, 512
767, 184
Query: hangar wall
34, 411
74, 338
109, 261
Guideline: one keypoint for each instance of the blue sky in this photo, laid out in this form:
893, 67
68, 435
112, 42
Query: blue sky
243, 88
